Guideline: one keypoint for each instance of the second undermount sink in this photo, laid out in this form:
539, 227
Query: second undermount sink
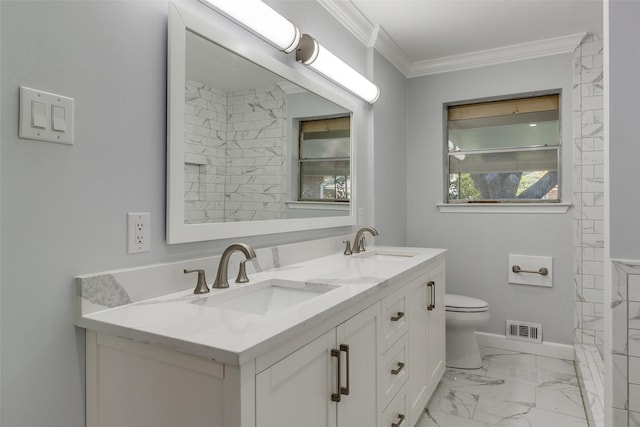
385, 255
266, 298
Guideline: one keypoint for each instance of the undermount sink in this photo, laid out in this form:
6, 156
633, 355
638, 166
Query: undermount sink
385, 255
266, 298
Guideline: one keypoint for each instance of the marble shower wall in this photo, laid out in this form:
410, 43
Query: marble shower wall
205, 121
588, 192
625, 346
235, 148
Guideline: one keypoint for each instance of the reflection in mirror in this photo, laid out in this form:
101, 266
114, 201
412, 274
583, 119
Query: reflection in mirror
324, 165
243, 124
238, 160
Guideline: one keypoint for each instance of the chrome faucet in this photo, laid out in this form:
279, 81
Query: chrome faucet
358, 240
221, 277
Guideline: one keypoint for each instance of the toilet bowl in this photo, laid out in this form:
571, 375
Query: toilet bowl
463, 316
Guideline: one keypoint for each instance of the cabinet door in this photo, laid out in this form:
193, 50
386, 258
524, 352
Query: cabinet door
417, 385
362, 335
436, 328
297, 390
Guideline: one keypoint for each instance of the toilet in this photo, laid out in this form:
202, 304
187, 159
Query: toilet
463, 315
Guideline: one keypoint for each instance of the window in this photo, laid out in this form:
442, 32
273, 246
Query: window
324, 160
504, 151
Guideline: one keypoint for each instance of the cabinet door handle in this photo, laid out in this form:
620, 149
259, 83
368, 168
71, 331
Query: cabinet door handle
433, 295
335, 397
345, 348
430, 285
398, 369
400, 421
397, 317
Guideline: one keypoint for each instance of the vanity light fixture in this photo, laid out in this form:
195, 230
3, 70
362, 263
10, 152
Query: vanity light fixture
313, 54
260, 19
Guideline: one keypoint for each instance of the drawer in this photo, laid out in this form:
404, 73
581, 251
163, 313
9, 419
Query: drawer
397, 413
394, 318
394, 371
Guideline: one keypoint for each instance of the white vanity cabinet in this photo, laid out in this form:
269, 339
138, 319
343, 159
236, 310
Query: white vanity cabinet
375, 362
329, 382
426, 317
436, 329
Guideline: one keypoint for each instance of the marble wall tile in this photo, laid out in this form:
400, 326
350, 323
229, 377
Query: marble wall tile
619, 334
634, 397
634, 287
619, 381
634, 370
634, 342
634, 315
245, 128
588, 186
625, 360
620, 418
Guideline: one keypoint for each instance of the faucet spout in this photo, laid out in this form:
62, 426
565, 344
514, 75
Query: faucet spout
358, 240
221, 277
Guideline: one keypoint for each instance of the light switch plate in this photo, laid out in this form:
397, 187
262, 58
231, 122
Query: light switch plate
54, 124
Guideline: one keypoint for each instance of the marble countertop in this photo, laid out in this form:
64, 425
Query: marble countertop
182, 321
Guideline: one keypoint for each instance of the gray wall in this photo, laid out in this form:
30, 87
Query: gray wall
390, 154
624, 150
479, 244
64, 207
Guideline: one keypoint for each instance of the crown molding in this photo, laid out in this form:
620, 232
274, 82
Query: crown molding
483, 58
352, 19
388, 48
374, 36
370, 35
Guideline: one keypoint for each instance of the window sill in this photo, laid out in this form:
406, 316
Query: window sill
327, 206
505, 208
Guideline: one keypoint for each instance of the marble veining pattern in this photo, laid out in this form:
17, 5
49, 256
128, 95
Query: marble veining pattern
104, 290
235, 148
625, 349
511, 389
162, 312
96, 292
590, 369
588, 191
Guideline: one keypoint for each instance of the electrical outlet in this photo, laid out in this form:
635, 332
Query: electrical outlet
139, 234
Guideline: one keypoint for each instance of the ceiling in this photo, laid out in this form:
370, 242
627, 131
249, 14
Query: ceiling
423, 36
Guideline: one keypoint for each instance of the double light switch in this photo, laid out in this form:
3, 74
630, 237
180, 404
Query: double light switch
45, 116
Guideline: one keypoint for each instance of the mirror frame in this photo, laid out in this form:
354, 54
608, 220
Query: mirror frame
213, 26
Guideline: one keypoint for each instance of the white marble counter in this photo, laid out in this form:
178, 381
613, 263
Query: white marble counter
180, 321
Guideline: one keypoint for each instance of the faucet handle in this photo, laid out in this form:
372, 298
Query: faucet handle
242, 273
362, 241
347, 250
201, 287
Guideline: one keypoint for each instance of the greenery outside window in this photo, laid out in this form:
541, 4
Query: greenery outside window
505, 151
325, 160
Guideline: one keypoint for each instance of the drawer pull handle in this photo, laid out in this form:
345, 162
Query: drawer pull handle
400, 421
432, 295
345, 390
398, 369
335, 397
397, 317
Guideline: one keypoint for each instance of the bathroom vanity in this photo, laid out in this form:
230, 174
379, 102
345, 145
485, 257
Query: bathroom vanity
331, 341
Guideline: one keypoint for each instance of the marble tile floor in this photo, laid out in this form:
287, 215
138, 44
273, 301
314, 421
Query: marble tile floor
511, 390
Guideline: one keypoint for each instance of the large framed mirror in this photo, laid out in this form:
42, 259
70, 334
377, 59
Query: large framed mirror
255, 145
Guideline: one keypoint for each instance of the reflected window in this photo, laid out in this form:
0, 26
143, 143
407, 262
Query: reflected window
504, 151
324, 160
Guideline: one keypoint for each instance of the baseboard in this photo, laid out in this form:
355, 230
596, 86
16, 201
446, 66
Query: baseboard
549, 349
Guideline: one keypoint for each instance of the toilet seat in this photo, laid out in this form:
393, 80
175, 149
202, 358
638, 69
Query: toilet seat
464, 304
